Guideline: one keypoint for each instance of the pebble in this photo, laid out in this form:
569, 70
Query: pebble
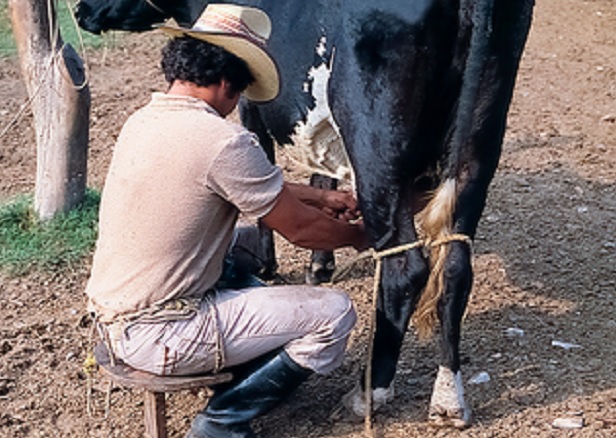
565, 345
479, 378
568, 423
609, 118
513, 332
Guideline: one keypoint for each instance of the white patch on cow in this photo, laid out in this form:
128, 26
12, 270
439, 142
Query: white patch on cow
322, 47
318, 145
447, 405
355, 400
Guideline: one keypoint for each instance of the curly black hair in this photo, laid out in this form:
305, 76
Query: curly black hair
192, 60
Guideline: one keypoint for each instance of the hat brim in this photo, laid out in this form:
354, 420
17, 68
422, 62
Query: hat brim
262, 66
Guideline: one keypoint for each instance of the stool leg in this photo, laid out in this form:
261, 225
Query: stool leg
154, 414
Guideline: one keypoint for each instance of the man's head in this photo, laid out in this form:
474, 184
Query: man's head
204, 64
242, 31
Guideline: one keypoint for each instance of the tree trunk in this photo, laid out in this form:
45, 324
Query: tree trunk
56, 82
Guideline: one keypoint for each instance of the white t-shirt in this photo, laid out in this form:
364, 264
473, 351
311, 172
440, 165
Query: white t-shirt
179, 177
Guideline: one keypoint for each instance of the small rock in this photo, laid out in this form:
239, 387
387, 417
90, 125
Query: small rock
609, 118
565, 345
514, 332
568, 423
479, 378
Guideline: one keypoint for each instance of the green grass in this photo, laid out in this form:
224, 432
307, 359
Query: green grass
7, 45
28, 245
68, 30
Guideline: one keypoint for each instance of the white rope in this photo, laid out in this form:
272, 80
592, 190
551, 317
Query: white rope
53, 32
28, 101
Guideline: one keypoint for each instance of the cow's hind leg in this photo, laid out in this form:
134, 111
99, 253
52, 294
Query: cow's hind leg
509, 25
448, 406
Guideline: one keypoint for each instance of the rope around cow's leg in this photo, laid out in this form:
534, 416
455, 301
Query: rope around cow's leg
450, 238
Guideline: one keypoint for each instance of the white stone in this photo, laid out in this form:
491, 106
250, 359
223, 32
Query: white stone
568, 423
479, 378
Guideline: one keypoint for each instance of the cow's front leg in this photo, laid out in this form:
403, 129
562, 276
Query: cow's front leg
448, 406
322, 263
403, 277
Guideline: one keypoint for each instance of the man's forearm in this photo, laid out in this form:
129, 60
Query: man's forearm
310, 227
307, 194
323, 232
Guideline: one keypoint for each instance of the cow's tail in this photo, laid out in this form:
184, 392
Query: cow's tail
436, 221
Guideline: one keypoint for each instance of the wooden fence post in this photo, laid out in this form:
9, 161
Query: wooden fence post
60, 98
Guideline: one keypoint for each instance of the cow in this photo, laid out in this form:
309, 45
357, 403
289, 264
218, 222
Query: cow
418, 92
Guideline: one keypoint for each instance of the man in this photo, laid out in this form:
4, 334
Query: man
179, 177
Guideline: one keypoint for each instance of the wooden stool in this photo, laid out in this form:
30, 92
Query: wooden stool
154, 387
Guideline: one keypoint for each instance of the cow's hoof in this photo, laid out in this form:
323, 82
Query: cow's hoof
317, 274
442, 417
447, 406
354, 402
268, 272
340, 414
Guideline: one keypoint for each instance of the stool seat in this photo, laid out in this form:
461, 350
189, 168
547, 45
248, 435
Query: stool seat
126, 376
154, 387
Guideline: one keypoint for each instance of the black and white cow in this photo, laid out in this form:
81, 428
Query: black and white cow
419, 92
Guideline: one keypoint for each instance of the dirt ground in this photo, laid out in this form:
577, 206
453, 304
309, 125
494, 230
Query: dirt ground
545, 263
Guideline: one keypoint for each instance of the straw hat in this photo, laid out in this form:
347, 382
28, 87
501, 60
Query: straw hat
242, 31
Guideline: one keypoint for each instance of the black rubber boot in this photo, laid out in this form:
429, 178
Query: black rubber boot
230, 409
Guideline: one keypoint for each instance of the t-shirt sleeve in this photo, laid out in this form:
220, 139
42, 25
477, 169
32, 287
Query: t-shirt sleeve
242, 175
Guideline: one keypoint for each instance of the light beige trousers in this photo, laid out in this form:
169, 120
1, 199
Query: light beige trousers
311, 323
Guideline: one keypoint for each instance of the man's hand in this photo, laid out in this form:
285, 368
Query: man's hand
340, 204
302, 219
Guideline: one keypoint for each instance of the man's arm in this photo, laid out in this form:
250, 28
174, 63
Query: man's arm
310, 227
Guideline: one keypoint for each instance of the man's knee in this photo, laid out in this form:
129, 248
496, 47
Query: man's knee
322, 349
343, 312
